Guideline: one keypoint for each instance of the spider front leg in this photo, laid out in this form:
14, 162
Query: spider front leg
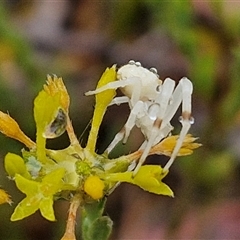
134, 84
125, 131
119, 100
114, 85
162, 134
186, 119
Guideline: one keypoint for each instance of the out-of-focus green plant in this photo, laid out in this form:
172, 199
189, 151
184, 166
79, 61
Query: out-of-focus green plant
20, 74
207, 35
77, 174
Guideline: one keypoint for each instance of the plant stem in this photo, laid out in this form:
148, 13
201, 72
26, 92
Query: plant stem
71, 221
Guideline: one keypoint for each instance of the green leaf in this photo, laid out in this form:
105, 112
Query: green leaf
94, 209
101, 228
94, 225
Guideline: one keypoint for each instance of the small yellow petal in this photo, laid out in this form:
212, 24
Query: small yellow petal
10, 128
4, 197
50, 113
102, 101
94, 186
166, 146
55, 85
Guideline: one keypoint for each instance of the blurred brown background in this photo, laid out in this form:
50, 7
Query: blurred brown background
78, 40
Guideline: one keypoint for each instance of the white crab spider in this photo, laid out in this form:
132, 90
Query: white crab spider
153, 104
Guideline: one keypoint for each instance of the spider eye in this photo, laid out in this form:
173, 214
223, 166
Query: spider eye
58, 126
153, 70
138, 64
131, 62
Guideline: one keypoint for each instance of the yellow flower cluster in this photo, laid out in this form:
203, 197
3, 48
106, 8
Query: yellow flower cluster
43, 173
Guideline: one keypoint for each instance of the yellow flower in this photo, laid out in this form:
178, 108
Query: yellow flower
166, 146
4, 197
50, 113
149, 178
10, 128
54, 86
94, 186
102, 101
39, 195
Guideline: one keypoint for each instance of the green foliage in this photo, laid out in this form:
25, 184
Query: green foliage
178, 21
94, 225
129, 18
203, 45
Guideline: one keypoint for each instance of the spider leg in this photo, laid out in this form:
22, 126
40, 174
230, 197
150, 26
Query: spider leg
163, 100
162, 134
131, 122
113, 85
135, 105
136, 93
119, 100
186, 119
176, 100
125, 131
174, 104
118, 137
